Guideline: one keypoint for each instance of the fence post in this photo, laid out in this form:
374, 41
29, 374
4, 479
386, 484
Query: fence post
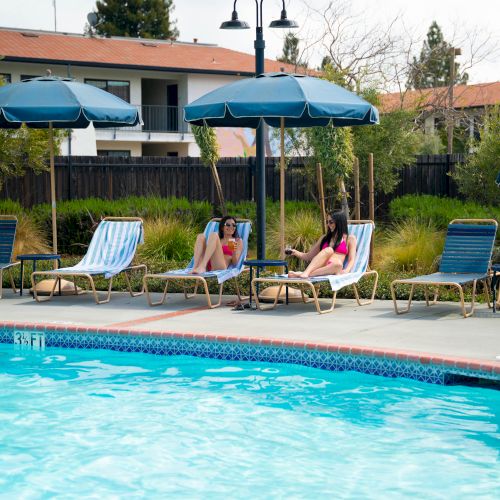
319, 174
251, 177
110, 182
357, 200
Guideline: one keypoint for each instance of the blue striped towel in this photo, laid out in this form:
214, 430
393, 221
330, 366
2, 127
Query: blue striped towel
244, 229
363, 234
111, 249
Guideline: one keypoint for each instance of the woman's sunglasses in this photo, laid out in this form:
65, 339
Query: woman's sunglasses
228, 224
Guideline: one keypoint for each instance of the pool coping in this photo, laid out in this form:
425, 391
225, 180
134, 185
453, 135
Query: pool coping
454, 365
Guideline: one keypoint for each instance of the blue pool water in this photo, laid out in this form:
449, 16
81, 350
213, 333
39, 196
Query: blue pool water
82, 423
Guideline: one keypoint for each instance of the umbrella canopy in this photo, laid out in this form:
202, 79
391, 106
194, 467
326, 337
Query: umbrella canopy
52, 102
63, 103
303, 101
281, 100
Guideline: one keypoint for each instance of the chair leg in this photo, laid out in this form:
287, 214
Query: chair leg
241, 298
393, 294
94, 291
258, 303
205, 287
374, 290
129, 284
35, 293
148, 293
462, 299
195, 290
12, 282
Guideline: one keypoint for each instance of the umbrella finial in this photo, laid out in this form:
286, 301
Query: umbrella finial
48, 72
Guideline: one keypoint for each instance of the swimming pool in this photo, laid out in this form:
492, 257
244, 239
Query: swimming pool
99, 423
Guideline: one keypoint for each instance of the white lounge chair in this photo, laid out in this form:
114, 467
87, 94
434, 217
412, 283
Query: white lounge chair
232, 272
110, 252
362, 230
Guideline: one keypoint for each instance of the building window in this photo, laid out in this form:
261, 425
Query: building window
113, 153
118, 88
28, 77
5, 78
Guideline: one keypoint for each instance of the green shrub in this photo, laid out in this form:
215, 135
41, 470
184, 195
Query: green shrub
10, 207
76, 219
167, 239
439, 211
476, 177
409, 245
302, 230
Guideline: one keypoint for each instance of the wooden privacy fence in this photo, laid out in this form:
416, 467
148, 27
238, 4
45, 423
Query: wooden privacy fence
112, 178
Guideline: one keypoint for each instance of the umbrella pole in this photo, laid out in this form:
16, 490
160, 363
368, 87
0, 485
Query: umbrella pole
282, 190
53, 188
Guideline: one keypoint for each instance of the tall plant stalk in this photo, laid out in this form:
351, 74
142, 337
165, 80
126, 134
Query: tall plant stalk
206, 139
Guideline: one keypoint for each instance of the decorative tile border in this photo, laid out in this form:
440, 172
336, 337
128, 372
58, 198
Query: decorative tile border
425, 368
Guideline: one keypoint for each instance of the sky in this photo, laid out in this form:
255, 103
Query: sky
201, 19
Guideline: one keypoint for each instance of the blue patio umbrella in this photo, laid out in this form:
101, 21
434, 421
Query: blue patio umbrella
52, 102
281, 100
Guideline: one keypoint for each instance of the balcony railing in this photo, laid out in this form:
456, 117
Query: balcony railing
160, 118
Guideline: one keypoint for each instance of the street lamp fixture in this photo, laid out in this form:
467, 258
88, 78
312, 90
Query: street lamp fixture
260, 160
235, 23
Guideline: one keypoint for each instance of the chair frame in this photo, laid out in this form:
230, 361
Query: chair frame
313, 286
57, 277
9, 265
199, 280
459, 287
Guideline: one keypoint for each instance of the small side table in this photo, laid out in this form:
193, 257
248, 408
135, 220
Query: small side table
261, 264
494, 282
35, 257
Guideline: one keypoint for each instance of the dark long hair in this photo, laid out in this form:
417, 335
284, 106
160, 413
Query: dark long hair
341, 228
221, 226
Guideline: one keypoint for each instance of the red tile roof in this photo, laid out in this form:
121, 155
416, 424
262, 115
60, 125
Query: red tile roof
162, 55
464, 96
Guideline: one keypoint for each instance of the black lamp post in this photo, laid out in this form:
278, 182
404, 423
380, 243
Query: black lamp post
260, 160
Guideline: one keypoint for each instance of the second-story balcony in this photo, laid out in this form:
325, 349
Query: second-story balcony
160, 118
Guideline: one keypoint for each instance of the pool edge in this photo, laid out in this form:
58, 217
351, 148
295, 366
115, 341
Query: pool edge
427, 367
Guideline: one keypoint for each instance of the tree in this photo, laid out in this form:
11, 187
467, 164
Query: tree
23, 149
333, 149
290, 50
330, 146
394, 143
363, 53
135, 18
432, 69
206, 139
476, 177
291, 53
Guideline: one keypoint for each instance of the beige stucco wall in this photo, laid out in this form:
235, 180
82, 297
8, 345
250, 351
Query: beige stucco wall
190, 87
135, 148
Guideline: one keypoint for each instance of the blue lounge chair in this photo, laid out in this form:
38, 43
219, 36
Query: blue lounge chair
466, 259
8, 226
110, 252
363, 231
232, 272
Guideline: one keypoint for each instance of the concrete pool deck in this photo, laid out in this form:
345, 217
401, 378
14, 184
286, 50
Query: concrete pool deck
438, 332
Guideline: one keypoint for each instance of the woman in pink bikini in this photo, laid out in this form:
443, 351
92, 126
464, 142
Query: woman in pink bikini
220, 250
328, 254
